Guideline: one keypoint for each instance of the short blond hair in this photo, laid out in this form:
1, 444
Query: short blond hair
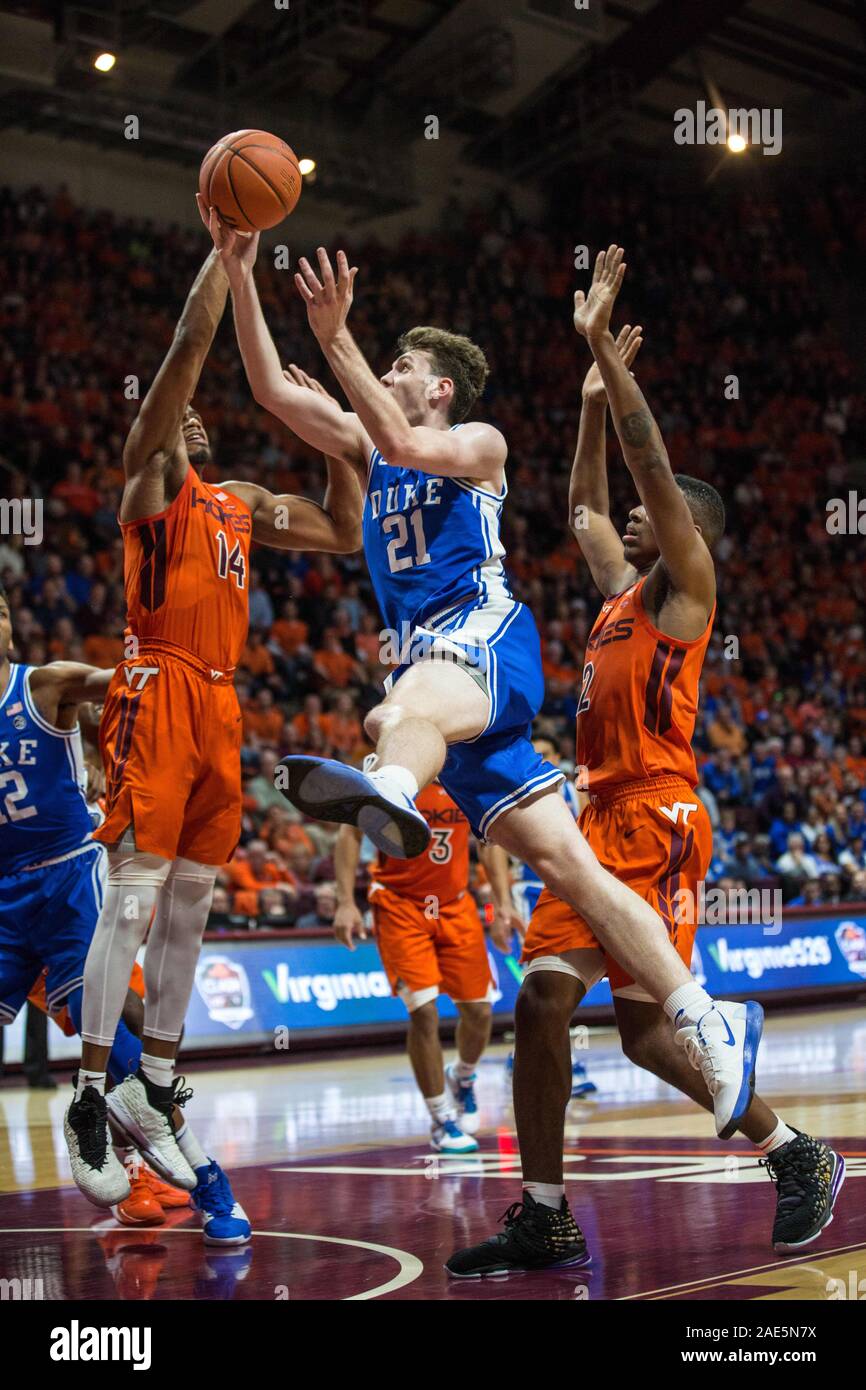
455, 356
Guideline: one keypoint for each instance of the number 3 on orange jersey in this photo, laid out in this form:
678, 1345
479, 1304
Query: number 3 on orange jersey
440, 851
233, 563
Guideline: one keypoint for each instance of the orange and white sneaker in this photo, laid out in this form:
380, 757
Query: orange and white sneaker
169, 1198
141, 1207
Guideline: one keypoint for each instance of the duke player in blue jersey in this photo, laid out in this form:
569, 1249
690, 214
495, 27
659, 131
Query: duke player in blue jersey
51, 886
468, 681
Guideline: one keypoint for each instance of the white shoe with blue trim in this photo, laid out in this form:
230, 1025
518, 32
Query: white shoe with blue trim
723, 1047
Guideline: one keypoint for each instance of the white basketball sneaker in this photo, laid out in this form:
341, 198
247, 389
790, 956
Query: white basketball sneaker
331, 791
449, 1138
723, 1047
143, 1113
98, 1172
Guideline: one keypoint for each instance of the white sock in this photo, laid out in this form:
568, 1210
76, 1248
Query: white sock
441, 1108
549, 1194
692, 999
159, 1070
96, 1079
780, 1135
191, 1148
401, 776
464, 1071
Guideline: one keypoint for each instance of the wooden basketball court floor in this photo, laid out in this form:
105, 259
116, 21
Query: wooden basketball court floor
328, 1154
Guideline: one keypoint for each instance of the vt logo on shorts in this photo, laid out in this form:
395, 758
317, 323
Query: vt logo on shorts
142, 672
673, 812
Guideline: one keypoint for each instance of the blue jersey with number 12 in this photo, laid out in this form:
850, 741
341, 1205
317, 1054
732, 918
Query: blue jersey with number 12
43, 811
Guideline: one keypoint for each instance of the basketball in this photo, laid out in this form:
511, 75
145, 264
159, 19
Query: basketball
252, 179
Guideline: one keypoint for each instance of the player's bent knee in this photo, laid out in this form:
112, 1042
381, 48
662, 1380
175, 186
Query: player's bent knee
546, 1000
424, 1018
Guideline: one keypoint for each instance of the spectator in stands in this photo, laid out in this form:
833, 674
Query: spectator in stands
795, 862
326, 906
250, 871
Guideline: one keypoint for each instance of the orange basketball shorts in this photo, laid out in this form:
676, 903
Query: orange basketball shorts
428, 955
171, 740
656, 837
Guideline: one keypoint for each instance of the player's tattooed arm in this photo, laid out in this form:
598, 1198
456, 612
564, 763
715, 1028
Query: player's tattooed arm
475, 451
59, 688
684, 554
588, 499
348, 918
154, 443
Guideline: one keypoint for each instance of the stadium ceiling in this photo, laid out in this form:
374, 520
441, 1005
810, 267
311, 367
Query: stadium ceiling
528, 87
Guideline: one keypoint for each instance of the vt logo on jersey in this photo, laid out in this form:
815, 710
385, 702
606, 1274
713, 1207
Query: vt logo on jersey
673, 812
140, 675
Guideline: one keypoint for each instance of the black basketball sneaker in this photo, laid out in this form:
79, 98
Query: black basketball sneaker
535, 1237
808, 1175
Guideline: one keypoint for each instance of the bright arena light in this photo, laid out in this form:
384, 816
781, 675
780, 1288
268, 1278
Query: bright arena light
104, 62
306, 166
736, 144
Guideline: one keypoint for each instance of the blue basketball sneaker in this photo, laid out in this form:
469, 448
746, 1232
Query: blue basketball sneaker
224, 1220
463, 1092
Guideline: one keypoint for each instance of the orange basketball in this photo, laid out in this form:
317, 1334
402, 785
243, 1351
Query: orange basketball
251, 178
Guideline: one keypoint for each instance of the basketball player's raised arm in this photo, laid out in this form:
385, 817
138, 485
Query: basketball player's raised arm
156, 431
474, 451
588, 501
317, 419
683, 552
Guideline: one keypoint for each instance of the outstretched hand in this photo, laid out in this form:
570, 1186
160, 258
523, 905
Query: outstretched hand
328, 300
628, 344
298, 377
592, 312
237, 250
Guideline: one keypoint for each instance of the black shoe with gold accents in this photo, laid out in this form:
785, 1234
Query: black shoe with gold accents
535, 1237
808, 1175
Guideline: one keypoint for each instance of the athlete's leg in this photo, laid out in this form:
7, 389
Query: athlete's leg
647, 1041
433, 704
473, 1030
425, 1051
542, 831
173, 950
542, 1072
134, 882
125, 1055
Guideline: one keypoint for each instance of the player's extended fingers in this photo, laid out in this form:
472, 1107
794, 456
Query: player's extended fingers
304, 290
327, 274
631, 348
203, 210
310, 279
622, 337
598, 268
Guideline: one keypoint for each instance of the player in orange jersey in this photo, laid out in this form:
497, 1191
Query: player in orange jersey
635, 721
431, 941
170, 738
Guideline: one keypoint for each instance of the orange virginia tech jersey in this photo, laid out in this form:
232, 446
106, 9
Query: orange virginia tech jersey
186, 573
442, 871
638, 699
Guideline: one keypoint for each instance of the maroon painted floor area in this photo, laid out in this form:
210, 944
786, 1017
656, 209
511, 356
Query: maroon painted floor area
662, 1219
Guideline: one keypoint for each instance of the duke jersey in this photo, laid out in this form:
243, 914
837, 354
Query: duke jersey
432, 547
185, 574
43, 811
